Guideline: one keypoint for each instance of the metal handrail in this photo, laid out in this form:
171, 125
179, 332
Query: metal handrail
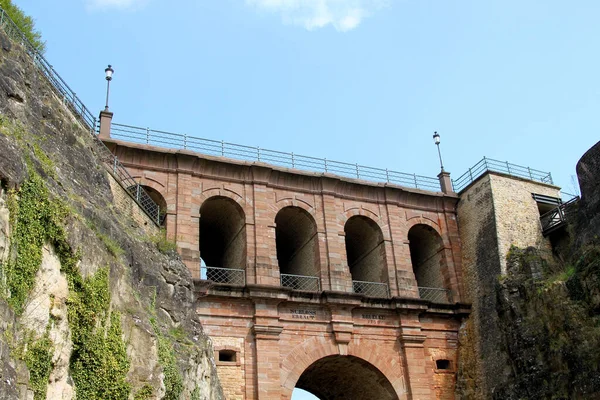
83, 114
231, 276
301, 282
371, 289
165, 139
488, 164
435, 295
557, 217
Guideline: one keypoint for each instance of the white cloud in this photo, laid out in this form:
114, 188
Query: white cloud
118, 4
343, 15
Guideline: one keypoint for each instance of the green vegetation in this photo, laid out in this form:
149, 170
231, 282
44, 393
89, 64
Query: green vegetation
25, 23
37, 355
163, 244
35, 220
173, 380
144, 393
99, 361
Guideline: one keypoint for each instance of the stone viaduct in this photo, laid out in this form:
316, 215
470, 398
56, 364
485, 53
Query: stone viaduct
346, 288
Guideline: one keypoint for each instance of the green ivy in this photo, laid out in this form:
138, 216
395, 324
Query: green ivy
173, 380
99, 361
35, 220
145, 393
37, 355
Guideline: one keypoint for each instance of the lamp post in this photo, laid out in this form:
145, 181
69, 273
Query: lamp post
436, 140
109, 73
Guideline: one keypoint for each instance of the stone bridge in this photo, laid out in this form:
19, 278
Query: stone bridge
345, 288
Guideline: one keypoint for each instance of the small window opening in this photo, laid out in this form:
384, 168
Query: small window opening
227, 355
442, 364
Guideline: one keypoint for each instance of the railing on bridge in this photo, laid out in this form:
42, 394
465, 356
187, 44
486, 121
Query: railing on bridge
371, 289
229, 276
435, 295
557, 218
487, 164
81, 112
287, 160
301, 282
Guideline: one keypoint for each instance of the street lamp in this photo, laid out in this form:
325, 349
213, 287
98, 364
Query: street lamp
436, 140
109, 73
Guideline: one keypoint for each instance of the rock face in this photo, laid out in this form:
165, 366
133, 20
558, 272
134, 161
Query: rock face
151, 293
588, 173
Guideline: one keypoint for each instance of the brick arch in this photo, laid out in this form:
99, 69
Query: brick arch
198, 201
424, 221
291, 202
154, 184
317, 348
364, 212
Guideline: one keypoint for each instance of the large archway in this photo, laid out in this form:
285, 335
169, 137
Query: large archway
428, 261
223, 240
365, 251
339, 377
297, 249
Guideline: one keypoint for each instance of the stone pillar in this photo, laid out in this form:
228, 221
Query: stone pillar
445, 182
105, 121
339, 273
412, 342
266, 332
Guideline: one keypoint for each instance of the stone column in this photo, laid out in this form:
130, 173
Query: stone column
445, 182
266, 332
412, 342
105, 122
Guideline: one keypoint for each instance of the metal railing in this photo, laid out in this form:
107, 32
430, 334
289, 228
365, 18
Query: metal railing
488, 164
230, 276
556, 218
371, 289
301, 282
82, 113
435, 295
287, 160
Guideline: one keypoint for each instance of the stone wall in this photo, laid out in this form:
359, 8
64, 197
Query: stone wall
494, 212
517, 216
588, 173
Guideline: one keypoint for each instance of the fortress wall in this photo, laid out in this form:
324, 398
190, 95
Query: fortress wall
517, 215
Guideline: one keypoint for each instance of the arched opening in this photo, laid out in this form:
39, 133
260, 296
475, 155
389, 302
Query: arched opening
143, 193
346, 377
365, 251
297, 249
428, 261
223, 240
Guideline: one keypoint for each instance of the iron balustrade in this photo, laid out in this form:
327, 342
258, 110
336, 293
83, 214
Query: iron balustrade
301, 282
81, 113
557, 217
435, 295
371, 289
229, 276
488, 164
287, 160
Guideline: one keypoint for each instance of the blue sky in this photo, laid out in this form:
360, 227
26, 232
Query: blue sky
364, 81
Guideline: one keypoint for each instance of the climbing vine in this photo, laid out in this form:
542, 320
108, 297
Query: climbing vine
99, 361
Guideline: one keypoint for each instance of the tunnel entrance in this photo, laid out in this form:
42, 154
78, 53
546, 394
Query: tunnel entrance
223, 239
346, 378
366, 256
297, 249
